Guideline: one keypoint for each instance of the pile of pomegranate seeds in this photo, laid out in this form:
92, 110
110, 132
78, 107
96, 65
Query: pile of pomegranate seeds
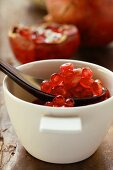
59, 101
53, 33
72, 82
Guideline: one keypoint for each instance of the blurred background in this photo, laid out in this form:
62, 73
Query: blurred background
30, 12
12, 13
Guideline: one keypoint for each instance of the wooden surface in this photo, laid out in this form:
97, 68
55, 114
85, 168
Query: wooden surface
12, 155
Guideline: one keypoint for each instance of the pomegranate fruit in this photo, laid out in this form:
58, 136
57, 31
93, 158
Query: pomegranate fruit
94, 18
44, 41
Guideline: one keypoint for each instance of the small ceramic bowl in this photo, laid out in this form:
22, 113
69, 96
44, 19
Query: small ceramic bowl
58, 135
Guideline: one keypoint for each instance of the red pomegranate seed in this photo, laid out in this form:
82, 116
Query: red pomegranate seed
59, 90
40, 39
107, 94
86, 82
86, 93
68, 77
56, 79
77, 91
46, 86
87, 73
98, 81
75, 82
25, 32
78, 72
77, 77
68, 74
96, 88
69, 102
66, 67
59, 101
49, 104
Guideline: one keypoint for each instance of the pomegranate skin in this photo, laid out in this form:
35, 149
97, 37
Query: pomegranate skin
19, 46
93, 18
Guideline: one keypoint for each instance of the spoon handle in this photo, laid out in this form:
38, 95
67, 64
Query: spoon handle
16, 76
11, 71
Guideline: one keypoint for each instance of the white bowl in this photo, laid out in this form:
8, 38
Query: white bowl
58, 135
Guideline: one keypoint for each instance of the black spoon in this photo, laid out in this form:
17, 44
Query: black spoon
32, 85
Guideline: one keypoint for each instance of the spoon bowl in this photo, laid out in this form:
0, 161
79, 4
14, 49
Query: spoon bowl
33, 85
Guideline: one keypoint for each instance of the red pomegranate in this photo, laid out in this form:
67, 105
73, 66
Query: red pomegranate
44, 41
94, 18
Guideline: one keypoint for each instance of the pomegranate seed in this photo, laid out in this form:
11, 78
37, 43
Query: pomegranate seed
78, 72
86, 82
49, 104
56, 79
59, 101
98, 81
46, 86
54, 28
96, 88
107, 94
68, 74
77, 77
69, 102
66, 66
87, 73
77, 91
75, 82
68, 77
59, 90
40, 39
86, 93
25, 32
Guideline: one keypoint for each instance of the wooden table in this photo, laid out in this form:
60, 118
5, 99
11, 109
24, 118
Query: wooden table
12, 155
